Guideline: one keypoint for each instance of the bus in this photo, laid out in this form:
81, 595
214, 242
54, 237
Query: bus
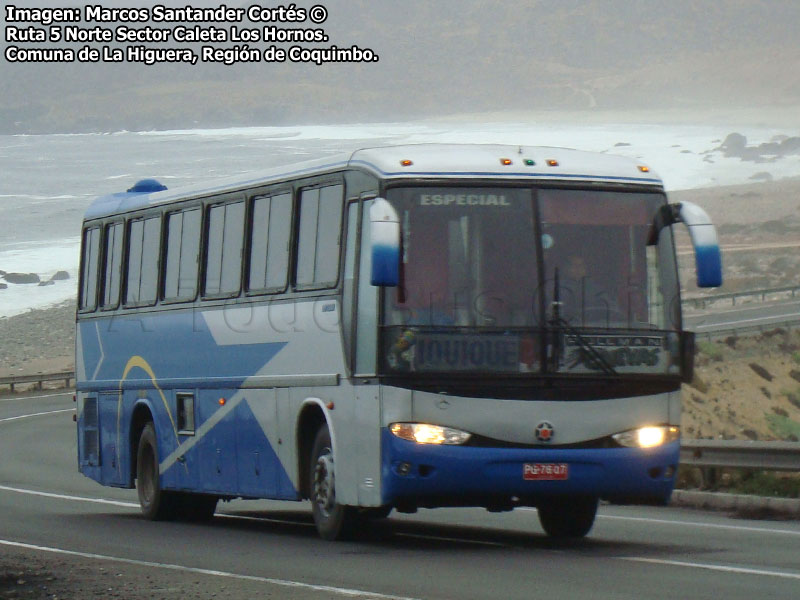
396, 328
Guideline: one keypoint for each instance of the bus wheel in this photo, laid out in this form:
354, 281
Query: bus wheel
334, 521
568, 517
156, 504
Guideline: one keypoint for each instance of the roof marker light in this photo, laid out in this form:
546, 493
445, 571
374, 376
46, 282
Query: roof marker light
644, 168
506, 161
147, 186
529, 162
552, 162
406, 163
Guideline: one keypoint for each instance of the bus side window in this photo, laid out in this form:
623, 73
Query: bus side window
113, 266
224, 255
91, 255
143, 251
319, 239
183, 251
269, 242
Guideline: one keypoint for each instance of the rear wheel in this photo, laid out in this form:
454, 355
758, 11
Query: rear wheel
334, 521
156, 504
568, 517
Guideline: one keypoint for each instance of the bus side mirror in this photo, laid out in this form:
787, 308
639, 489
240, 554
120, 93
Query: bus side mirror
384, 238
708, 258
707, 255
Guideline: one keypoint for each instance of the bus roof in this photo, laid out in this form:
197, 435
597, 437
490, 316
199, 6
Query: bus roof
415, 161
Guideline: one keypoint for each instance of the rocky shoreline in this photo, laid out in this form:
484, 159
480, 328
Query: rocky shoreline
38, 341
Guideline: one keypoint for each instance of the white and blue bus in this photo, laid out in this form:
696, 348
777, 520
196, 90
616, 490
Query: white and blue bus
397, 328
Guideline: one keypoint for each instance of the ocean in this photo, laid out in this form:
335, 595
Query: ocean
47, 181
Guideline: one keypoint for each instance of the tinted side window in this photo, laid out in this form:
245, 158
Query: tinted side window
143, 249
183, 249
150, 251
320, 236
135, 239
225, 240
269, 243
91, 256
113, 266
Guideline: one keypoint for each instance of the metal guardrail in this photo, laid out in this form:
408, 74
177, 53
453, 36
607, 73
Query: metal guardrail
745, 329
701, 301
38, 379
769, 456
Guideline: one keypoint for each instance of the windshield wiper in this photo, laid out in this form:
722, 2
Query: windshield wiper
589, 354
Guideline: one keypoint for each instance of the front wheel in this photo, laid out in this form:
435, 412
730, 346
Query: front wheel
568, 517
334, 521
156, 504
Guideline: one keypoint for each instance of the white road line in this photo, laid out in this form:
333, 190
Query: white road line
706, 525
269, 580
693, 524
22, 398
708, 567
39, 414
6, 488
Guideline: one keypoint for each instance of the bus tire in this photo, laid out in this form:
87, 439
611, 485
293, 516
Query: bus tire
567, 517
156, 504
334, 521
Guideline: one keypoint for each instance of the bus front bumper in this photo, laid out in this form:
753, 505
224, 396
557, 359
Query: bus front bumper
427, 475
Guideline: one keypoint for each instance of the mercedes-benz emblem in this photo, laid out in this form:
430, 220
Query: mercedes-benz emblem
545, 432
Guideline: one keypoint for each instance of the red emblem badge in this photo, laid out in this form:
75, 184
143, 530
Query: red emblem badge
545, 432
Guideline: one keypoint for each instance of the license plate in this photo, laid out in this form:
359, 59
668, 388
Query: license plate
545, 471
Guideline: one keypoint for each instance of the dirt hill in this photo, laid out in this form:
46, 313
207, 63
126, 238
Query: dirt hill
745, 388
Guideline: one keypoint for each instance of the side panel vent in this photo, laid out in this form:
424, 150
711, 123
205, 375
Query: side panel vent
91, 433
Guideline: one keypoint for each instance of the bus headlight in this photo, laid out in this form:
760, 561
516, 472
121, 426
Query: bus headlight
424, 433
647, 437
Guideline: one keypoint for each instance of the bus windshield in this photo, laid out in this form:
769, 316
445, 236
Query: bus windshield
520, 280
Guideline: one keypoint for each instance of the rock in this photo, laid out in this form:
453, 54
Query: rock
762, 176
48, 282
750, 434
734, 145
21, 277
620, 144
795, 375
60, 276
790, 145
761, 371
3, 286
780, 411
2, 273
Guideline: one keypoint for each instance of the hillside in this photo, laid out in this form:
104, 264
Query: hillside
745, 388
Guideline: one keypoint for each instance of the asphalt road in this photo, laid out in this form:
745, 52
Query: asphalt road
632, 552
723, 319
